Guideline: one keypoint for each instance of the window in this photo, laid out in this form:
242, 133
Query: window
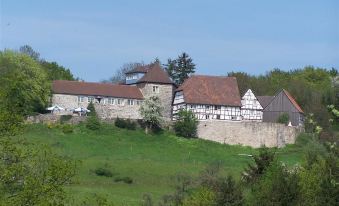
192, 106
218, 116
233, 118
81, 99
130, 102
207, 116
217, 107
90, 99
207, 107
139, 102
111, 101
155, 89
120, 101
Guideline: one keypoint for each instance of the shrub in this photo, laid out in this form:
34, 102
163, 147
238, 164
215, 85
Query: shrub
127, 124
91, 108
67, 128
126, 180
65, 118
284, 118
200, 197
93, 123
103, 172
186, 124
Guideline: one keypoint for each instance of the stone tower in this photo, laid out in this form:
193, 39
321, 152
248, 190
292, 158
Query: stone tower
152, 80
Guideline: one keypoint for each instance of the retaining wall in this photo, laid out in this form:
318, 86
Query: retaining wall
254, 134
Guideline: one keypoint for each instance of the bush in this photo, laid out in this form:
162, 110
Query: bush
93, 123
103, 172
67, 128
91, 108
126, 124
65, 118
186, 124
126, 180
284, 118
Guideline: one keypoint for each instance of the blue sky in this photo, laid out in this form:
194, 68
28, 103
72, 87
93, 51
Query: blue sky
94, 38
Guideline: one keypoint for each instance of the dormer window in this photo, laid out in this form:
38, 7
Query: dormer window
155, 89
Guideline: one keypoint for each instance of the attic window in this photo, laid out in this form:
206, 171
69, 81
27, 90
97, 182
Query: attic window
155, 89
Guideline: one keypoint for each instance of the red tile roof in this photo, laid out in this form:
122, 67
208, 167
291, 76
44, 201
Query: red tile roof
296, 105
212, 90
155, 74
96, 89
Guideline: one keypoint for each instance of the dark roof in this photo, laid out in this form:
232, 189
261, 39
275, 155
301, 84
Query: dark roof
212, 90
96, 89
296, 105
155, 74
265, 100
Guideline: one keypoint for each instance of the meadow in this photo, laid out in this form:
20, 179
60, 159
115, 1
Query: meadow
151, 161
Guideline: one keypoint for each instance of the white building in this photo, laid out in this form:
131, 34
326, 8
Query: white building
251, 108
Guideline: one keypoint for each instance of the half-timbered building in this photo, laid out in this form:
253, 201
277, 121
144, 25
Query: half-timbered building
209, 97
251, 108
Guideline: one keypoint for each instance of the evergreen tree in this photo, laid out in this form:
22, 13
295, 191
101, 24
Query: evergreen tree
180, 68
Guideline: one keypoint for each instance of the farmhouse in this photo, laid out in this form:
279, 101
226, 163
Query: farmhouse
214, 98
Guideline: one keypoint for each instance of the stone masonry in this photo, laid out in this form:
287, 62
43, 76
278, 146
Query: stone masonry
165, 94
254, 134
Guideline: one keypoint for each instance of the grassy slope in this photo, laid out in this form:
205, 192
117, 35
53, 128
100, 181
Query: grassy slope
152, 161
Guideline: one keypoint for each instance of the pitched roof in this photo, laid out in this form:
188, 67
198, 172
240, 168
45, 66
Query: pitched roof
155, 74
265, 100
296, 105
96, 89
212, 90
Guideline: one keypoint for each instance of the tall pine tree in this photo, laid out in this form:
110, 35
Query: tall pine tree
179, 69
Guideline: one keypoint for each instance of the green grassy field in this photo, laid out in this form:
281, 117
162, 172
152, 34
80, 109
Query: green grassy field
152, 161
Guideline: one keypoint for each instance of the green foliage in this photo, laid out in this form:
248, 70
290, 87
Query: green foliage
32, 175
56, 72
277, 186
65, 118
93, 123
180, 68
24, 87
228, 192
67, 128
311, 87
151, 112
10, 123
201, 197
186, 124
103, 172
91, 108
127, 124
261, 162
284, 118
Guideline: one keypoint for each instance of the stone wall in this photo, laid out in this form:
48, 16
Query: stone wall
104, 111
254, 134
165, 94
50, 118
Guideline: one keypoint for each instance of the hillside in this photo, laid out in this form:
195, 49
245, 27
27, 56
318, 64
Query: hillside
151, 161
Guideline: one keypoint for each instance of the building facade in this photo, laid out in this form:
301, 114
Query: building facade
251, 108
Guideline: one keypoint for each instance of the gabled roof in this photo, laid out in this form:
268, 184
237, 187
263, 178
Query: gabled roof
96, 89
212, 90
155, 74
265, 100
296, 105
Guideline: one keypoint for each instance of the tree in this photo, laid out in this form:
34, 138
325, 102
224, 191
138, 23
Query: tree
228, 193
186, 124
150, 111
28, 50
92, 122
119, 75
180, 68
284, 118
56, 72
91, 108
32, 175
24, 87
261, 162
277, 186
